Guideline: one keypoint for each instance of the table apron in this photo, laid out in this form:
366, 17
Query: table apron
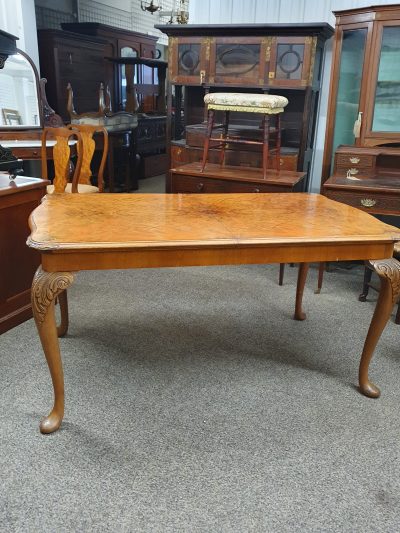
73, 260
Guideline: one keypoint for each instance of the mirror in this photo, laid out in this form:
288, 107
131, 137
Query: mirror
19, 96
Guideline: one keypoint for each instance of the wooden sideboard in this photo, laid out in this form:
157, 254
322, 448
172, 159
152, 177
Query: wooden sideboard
18, 263
283, 59
367, 178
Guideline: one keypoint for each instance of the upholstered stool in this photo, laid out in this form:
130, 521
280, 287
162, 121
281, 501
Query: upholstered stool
264, 104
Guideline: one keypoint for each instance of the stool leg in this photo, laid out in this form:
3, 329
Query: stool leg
210, 125
265, 144
278, 142
225, 134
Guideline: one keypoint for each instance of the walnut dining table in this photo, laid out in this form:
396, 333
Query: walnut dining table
76, 232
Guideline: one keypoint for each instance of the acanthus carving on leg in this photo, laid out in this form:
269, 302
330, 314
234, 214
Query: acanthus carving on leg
389, 272
45, 288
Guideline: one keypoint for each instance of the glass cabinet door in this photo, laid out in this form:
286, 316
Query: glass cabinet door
238, 62
386, 112
290, 61
188, 60
349, 86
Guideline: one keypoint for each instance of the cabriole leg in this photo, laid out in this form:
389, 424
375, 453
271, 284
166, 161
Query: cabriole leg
389, 272
45, 287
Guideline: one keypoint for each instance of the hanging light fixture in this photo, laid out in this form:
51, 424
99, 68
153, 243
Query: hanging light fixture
179, 14
151, 6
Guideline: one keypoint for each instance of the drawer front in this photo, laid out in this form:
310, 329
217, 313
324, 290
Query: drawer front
353, 160
181, 155
192, 184
354, 165
27, 153
372, 203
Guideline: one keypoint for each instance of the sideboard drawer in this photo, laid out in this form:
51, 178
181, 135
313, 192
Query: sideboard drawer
372, 203
190, 184
354, 160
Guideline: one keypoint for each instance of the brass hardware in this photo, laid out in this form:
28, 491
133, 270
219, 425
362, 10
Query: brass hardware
352, 171
271, 75
367, 202
281, 162
354, 160
202, 76
256, 189
350, 177
200, 186
179, 151
207, 43
267, 42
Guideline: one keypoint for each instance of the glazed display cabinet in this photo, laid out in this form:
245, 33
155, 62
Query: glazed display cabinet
365, 81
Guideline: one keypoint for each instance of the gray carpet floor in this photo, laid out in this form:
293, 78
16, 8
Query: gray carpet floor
195, 403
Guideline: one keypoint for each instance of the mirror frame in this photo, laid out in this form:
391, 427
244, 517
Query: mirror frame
38, 96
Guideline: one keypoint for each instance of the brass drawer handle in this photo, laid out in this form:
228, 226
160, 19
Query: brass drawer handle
200, 186
281, 161
256, 189
352, 171
354, 160
368, 202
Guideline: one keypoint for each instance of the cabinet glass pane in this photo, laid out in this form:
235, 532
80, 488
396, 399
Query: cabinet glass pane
349, 86
241, 60
387, 96
189, 59
289, 63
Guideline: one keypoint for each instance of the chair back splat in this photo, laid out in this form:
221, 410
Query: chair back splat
62, 157
87, 133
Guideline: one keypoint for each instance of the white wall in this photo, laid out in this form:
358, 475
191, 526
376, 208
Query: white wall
18, 18
284, 11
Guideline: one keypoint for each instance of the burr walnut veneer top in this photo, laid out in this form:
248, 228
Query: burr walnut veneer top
145, 221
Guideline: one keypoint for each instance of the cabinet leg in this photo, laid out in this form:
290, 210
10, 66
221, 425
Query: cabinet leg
366, 282
46, 286
389, 272
299, 314
321, 270
281, 273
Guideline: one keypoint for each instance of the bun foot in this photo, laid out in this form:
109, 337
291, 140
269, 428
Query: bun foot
51, 423
370, 390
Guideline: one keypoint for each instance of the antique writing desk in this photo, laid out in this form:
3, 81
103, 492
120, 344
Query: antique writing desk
106, 231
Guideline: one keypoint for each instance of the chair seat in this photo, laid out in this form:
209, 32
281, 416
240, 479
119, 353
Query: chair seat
82, 188
246, 102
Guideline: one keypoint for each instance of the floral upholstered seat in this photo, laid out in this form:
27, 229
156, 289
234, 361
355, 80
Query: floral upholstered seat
270, 104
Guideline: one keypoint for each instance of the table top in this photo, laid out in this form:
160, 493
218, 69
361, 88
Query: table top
96, 222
